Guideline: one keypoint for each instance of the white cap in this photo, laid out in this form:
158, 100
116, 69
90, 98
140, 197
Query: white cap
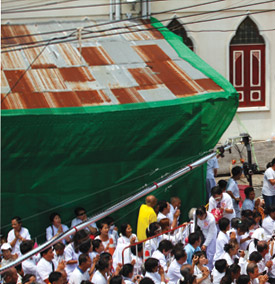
6, 246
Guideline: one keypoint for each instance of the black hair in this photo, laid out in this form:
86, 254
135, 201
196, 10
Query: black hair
247, 213
26, 278
78, 210
123, 228
17, 219
26, 246
78, 238
230, 245
59, 246
269, 209
216, 190
234, 222
146, 280
54, 276
227, 279
179, 253
242, 226
201, 211
193, 237
150, 264
222, 183
165, 245
199, 254
127, 269
223, 223
96, 243
51, 217
83, 258
261, 246
273, 162
243, 279
85, 245
255, 256
234, 268
152, 228
45, 251
220, 265
162, 204
86, 282
102, 264
116, 280
248, 190
236, 171
139, 248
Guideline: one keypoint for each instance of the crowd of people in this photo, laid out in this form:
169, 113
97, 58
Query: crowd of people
224, 242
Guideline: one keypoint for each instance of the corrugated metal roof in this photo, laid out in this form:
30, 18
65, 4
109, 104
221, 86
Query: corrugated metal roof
116, 69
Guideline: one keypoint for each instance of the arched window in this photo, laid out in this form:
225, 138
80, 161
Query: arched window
247, 64
176, 27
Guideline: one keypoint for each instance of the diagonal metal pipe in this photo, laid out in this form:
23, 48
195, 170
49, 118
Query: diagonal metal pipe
113, 209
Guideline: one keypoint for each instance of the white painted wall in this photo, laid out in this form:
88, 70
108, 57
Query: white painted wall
213, 47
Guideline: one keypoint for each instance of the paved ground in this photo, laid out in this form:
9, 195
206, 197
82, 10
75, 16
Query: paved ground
257, 182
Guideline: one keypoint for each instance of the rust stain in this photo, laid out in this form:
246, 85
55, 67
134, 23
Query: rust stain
64, 99
151, 53
76, 74
96, 56
208, 85
23, 85
12, 101
144, 76
34, 100
127, 95
89, 97
16, 30
41, 60
13, 60
4, 82
140, 88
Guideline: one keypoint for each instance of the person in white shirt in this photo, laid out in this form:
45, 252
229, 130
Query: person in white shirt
211, 172
265, 264
127, 271
46, 265
83, 270
98, 248
231, 251
175, 204
207, 224
233, 189
126, 238
29, 265
59, 254
200, 269
253, 273
224, 225
154, 270
56, 228
164, 249
175, 266
56, 278
222, 201
17, 235
268, 190
103, 268
219, 270
164, 209
269, 222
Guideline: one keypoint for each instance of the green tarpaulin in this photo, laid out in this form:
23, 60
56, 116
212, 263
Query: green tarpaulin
58, 159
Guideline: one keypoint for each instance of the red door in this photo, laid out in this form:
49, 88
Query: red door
247, 73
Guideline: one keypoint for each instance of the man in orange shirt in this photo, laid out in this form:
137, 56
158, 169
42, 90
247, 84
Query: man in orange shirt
146, 216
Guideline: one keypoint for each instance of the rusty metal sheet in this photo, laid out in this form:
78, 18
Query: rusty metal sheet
5, 88
12, 101
90, 98
66, 55
127, 95
209, 85
144, 76
76, 74
62, 99
96, 56
151, 53
13, 60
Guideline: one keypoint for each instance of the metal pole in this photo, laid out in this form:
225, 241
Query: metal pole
112, 209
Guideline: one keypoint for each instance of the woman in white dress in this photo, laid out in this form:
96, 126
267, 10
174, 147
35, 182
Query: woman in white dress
152, 244
104, 235
126, 238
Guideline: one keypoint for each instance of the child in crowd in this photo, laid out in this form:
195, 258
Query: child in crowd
219, 270
200, 268
223, 238
59, 252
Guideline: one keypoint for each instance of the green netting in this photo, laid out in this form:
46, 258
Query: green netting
97, 156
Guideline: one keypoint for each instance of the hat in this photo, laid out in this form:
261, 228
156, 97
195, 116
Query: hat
6, 246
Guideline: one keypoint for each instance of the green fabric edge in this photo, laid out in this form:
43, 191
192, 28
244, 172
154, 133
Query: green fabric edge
187, 54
